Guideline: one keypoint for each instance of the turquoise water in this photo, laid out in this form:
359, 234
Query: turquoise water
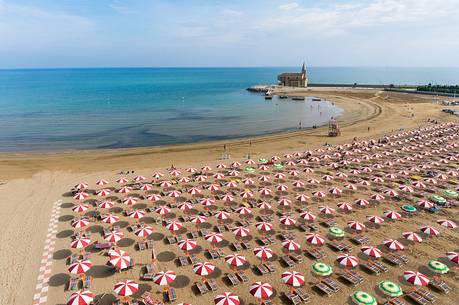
105, 108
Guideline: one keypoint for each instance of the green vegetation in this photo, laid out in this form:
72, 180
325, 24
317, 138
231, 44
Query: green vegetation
439, 88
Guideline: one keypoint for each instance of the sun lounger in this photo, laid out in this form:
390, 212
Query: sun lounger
148, 299
149, 268
329, 223
296, 257
340, 246
394, 301
270, 267
246, 245
349, 278
73, 283
220, 252
262, 269
171, 240
193, 259
287, 260
324, 289
183, 261
426, 294
264, 241
202, 288
73, 258
204, 232
87, 279
147, 276
271, 240
212, 284
440, 285
315, 253
372, 268
393, 260
194, 235
266, 302
302, 295
242, 276
179, 238
381, 266
116, 228
332, 284
221, 228
417, 298
141, 246
358, 239
401, 257
293, 298
237, 246
172, 294
233, 280
213, 254
149, 243
101, 246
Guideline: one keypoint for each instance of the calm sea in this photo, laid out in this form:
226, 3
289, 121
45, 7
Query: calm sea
110, 108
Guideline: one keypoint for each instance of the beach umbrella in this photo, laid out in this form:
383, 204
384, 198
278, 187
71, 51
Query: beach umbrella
263, 167
315, 239
197, 219
218, 176
144, 231
302, 197
293, 278
130, 200
347, 260
287, 220
261, 290
194, 191
102, 182
408, 208
80, 223
319, 194
437, 267
175, 194
243, 211
241, 231
146, 187
207, 201
335, 191
227, 197
80, 242
157, 175
173, 225
80, 196
82, 207
326, 210
106, 204
393, 244
344, 206
81, 297
234, 173
164, 278
246, 194
298, 184
412, 236
187, 244
313, 181
120, 260
113, 236
308, 216
425, 204
222, 215
139, 178
175, 173
235, 260
336, 232
416, 278
226, 298
392, 215
165, 184
162, 210
355, 225
361, 202
377, 197
103, 192
375, 219
154, 197
363, 298
248, 181
279, 176
125, 190
201, 178
284, 202
110, 218
213, 187
137, 214
321, 269
264, 178
308, 170
264, 205
391, 193
126, 288
447, 223
80, 266
264, 226
291, 245
429, 230
214, 237
185, 206
203, 269
265, 191
371, 251
453, 256
350, 187
390, 288
263, 252
364, 183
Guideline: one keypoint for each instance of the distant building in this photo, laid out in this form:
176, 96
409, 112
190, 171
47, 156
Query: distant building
299, 79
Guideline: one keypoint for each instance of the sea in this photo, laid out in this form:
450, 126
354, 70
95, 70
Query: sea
67, 109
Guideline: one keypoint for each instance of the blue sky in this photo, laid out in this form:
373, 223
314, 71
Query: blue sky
107, 33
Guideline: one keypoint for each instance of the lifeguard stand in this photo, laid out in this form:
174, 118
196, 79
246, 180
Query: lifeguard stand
333, 128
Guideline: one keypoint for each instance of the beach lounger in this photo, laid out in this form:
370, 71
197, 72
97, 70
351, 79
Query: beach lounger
179, 238
212, 284
171, 240
183, 261
372, 268
149, 243
381, 266
147, 276
356, 275
329, 223
194, 235
349, 278
287, 260
193, 259
302, 295
426, 294
213, 254
293, 298
266, 302
393, 260
271, 240
264, 241
358, 239
305, 228
116, 228
237, 246
233, 280
73, 283
401, 257
331, 283
440, 285
246, 245
148, 299
102, 246
141, 246
241, 275
221, 228
73, 258
324, 288
87, 279
394, 301
202, 288
296, 257
220, 252
262, 269
417, 298
172, 294
149, 268
204, 232
315, 253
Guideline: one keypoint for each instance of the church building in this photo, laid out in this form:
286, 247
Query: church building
298, 79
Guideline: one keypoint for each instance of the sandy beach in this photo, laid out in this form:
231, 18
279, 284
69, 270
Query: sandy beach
30, 183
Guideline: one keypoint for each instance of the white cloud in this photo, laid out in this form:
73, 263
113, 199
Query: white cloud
289, 6
231, 13
122, 8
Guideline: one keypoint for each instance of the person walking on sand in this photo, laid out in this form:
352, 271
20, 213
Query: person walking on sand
368, 128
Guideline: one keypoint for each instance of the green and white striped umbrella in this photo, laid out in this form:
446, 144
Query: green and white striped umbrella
278, 166
438, 198
437, 267
408, 208
337, 232
390, 288
321, 269
249, 170
363, 298
451, 193
262, 160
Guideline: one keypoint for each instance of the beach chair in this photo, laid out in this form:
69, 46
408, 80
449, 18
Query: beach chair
246, 245
393, 260
183, 261
440, 285
426, 294
241, 274
73, 258
331, 283
372, 268
194, 235
266, 302
193, 259
305, 228
293, 298
349, 278
212, 284
381, 266
271, 240
202, 288
204, 232
179, 238
417, 298
302, 295
116, 228
147, 276
237, 246
324, 289
220, 252
336, 246
314, 253
287, 260
394, 301
172, 294
141, 246
213, 254
221, 228
330, 222
233, 280
264, 241
73, 283
262, 269
270, 267
296, 257
150, 244
149, 268
358, 239
147, 299
356, 275
401, 257
171, 240
87, 279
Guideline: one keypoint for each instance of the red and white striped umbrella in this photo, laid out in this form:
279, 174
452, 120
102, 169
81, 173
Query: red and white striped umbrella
371, 251
342, 175
412, 236
80, 208
122, 180
146, 187
144, 231
319, 194
194, 191
235, 260
430, 181
284, 202
335, 191
344, 206
120, 260
263, 167
213, 187
139, 178
355, 225
447, 223
197, 219
280, 176
248, 181
264, 226
264, 205
241, 231
393, 244
419, 184
154, 197
81, 297
263, 252
416, 278
126, 288
165, 184
347, 260
125, 190
291, 245
350, 187
185, 206
102, 182
327, 178
80, 223
246, 194
207, 202
429, 230
287, 220
315, 239
308, 216
227, 298
243, 211
282, 187
201, 178
221, 166
157, 175
231, 184
361, 202
392, 215
130, 200
326, 210
236, 164
364, 183
174, 194
227, 198
164, 278
103, 192
218, 176
137, 214
203, 268
80, 196
375, 219
406, 188
377, 180
261, 290
313, 181
453, 256
113, 236
214, 237
265, 191
80, 266
391, 193
187, 244
298, 184
222, 215
110, 218
425, 204
302, 197
162, 210
175, 173
173, 225
377, 197
250, 162
264, 178
80, 242
191, 170
293, 278
106, 204
234, 173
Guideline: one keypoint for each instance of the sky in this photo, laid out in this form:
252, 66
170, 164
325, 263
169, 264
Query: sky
186, 33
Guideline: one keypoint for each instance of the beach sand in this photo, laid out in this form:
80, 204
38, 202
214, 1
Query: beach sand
32, 182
